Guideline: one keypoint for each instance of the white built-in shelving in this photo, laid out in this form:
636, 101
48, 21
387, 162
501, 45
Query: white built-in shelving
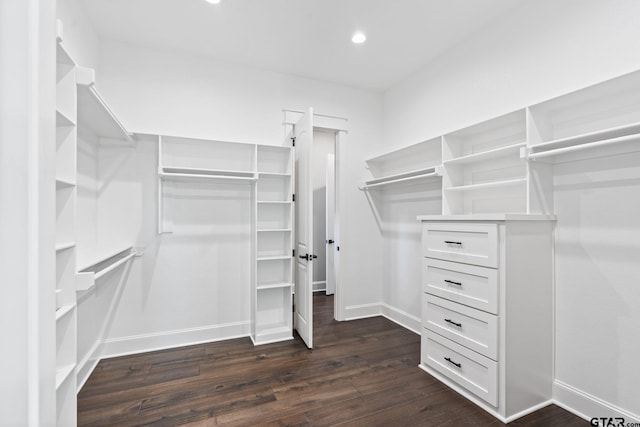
204, 167
481, 167
206, 162
505, 164
87, 276
100, 131
600, 120
94, 112
65, 247
412, 164
272, 301
84, 124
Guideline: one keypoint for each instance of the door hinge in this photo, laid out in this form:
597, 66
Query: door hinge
293, 253
338, 248
293, 197
293, 141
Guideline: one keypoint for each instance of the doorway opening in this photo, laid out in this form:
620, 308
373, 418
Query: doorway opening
323, 179
316, 248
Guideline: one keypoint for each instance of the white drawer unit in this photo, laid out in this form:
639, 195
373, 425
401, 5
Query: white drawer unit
472, 328
467, 284
468, 243
477, 373
487, 309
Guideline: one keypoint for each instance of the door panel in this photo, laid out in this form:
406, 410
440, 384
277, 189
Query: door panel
303, 317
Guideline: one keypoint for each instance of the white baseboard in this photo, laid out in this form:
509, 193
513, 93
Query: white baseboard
586, 405
353, 312
402, 318
86, 366
171, 339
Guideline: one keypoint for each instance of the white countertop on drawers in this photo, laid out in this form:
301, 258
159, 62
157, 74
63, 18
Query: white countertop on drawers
488, 217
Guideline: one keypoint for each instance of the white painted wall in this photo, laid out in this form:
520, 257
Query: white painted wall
27, 212
323, 144
79, 37
402, 248
174, 293
547, 48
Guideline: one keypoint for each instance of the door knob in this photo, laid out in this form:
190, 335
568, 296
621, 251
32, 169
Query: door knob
330, 242
305, 256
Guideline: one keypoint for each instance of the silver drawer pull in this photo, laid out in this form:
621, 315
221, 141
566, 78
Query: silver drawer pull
459, 325
450, 242
459, 365
452, 282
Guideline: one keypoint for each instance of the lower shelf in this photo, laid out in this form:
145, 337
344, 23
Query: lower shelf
86, 278
273, 333
64, 373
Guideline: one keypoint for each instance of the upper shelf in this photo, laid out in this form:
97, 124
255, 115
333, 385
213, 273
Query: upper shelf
414, 175
62, 55
189, 174
495, 153
94, 112
87, 277
612, 141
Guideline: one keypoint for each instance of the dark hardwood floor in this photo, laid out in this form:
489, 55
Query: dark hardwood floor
360, 373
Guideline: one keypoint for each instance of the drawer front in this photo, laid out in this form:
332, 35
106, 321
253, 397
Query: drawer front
475, 244
470, 285
474, 372
466, 326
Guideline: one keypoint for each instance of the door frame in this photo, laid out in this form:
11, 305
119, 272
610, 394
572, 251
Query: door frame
337, 125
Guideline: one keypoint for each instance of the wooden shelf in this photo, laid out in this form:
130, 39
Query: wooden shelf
63, 373
93, 111
496, 153
489, 185
64, 246
86, 277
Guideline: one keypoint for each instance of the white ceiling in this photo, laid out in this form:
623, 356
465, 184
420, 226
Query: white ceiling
310, 38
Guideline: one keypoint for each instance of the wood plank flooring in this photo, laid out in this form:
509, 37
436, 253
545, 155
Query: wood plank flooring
360, 373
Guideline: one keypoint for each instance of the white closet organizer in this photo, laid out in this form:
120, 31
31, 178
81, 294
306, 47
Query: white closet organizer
99, 133
66, 308
412, 164
481, 167
272, 297
600, 120
505, 164
267, 171
199, 161
487, 309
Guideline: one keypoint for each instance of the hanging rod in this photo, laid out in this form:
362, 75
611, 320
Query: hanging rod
565, 150
393, 181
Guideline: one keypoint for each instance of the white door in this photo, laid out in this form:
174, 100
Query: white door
330, 219
303, 317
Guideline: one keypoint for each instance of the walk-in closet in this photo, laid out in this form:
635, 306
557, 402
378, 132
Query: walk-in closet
243, 212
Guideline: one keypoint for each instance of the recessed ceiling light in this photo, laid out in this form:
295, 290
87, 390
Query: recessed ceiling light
213, 1
358, 38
